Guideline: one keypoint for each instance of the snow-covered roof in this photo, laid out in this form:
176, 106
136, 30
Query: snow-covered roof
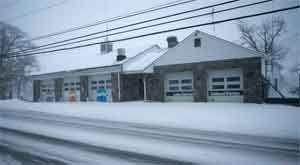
76, 60
212, 49
143, 61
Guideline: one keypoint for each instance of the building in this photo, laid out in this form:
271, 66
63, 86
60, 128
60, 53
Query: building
200, 68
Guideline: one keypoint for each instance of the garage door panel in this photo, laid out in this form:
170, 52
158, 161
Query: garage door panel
225, 85
179, 87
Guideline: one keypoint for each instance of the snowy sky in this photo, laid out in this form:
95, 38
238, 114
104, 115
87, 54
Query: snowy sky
72, 13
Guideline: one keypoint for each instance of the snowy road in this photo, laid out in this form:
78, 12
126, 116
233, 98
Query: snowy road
109, 141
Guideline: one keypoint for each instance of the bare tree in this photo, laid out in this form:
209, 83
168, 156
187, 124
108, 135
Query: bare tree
13, 70
264, 38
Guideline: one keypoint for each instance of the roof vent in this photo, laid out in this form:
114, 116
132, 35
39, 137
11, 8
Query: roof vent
106, 47
121, 54
172, 41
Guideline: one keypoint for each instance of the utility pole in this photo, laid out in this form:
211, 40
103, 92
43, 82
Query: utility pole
213, 20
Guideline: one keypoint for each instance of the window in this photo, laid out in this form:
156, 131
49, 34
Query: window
66, 89
77, 83
218, 79
233, 86
233, 79
183, 86
174, 88
94, 88
72, 83
101, 82
218, 87
186, 81
197, 42
94, 82
66, 84
173, 82
188, 87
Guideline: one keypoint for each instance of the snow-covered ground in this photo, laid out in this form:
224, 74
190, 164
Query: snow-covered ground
253, 119
6, 159
100, 125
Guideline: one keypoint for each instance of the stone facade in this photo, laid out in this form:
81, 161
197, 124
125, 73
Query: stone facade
132, 87
114, 87
84, 88
36, 90
251, 68
58, 89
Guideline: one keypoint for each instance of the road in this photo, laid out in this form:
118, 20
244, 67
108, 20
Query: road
73, 139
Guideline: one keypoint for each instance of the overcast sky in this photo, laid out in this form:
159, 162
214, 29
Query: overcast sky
71, 13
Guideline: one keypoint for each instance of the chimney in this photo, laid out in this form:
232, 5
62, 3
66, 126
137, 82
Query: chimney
172, 41
121, 54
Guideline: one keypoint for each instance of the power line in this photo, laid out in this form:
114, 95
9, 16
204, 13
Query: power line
152, 9
161, 32
36, 11
137, 23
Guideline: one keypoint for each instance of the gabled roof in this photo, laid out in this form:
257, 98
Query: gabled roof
212, 49
138, 59
77, 60
143, 61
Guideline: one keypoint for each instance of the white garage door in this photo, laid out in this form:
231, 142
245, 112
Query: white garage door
179, 87
72, 89
47, 91
225, 85
100, 88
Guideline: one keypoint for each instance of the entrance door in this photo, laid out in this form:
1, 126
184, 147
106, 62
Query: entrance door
179, 87
225, 85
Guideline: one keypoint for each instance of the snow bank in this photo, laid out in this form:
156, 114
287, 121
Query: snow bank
253, 119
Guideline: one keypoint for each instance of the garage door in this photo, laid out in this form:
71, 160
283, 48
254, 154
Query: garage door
47, 91
100, 88
72, 89
179, 87
225, 85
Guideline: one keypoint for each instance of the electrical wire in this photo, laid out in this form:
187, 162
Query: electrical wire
152, 9
161, 32
138, 23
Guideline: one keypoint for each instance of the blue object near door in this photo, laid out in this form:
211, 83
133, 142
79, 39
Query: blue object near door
101, 95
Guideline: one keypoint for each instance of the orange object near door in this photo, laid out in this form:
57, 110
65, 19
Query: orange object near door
72, 95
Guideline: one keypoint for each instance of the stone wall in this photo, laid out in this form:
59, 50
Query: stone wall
114, 87
132, 87
251, 67
58, 89
155, 87
84, 88
36, 90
